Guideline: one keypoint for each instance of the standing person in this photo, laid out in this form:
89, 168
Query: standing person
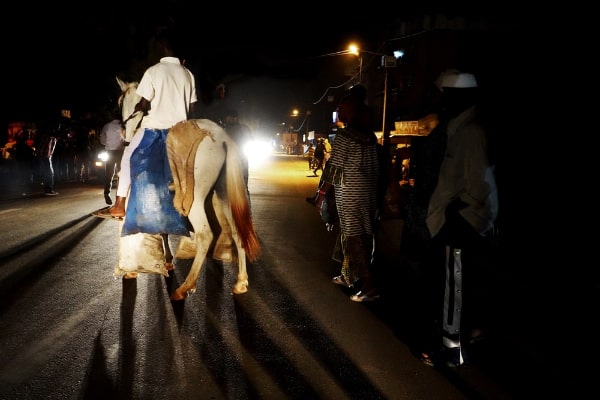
45, 152
219, 107
25, 158
462, 211
111, 137
168, 91
310, 154
353, 172
319, 156
327, 150
83, 149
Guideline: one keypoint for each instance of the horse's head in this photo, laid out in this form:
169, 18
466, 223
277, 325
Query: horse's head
127, 101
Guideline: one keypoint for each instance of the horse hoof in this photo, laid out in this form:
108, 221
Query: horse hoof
177, 296
181, 294
240, 287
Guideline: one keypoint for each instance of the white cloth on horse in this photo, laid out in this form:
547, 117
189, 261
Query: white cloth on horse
142, 253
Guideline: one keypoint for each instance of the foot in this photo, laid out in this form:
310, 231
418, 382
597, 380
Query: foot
116, 212
340, 280
450, 357
476, 336
363, 296
105, 213
107, 199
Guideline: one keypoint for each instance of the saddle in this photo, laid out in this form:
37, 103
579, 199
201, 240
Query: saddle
182, 142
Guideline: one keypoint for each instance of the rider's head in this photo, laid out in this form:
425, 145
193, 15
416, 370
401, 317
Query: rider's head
167, 42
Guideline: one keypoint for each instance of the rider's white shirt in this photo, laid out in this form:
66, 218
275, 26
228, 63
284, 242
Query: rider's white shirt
170, 87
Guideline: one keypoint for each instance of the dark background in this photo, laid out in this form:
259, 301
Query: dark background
67, 57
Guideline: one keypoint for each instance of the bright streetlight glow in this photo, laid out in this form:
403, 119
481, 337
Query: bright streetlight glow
353, 49
258, 151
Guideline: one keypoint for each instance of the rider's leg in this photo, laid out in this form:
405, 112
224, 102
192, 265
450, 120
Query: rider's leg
118, 210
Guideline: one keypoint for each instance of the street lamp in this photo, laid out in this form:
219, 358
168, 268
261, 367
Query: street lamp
386, 62
353, 49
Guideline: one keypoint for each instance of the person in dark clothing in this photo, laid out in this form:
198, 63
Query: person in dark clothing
219, 108
462, 211
25, 158
310, 155
319, 156
45, 152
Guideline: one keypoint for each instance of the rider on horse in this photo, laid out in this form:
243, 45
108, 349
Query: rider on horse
168, 96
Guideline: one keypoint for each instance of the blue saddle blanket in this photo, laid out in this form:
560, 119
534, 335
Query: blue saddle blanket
150, 208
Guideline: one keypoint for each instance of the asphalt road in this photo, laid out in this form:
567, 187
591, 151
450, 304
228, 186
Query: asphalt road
69, 330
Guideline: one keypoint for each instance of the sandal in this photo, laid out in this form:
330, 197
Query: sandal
105, 213
450, 357
426, 358
362, 297
340, 280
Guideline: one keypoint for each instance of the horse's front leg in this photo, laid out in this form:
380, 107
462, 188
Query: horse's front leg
188, 287
167, 250
203, 238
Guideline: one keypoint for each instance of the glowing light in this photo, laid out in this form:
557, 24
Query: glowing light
258, 151
103, 156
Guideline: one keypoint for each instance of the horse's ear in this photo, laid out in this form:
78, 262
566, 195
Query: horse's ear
122, 84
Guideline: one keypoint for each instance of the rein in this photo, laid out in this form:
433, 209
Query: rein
133, 114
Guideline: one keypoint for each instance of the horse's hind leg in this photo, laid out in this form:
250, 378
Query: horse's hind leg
239, 256
168, 253
241, 284
223, 249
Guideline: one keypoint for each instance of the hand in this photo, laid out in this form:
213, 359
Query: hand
319, 200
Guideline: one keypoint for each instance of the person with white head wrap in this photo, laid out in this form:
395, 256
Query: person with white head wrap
462, 210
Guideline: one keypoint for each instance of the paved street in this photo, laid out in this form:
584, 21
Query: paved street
69, 330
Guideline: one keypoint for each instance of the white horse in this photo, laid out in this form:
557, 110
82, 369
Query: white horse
217, 170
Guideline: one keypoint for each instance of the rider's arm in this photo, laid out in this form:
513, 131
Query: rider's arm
142, 105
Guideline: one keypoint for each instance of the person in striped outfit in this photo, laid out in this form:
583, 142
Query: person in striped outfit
353, 172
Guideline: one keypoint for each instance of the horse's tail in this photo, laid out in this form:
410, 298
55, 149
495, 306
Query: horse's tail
238, 201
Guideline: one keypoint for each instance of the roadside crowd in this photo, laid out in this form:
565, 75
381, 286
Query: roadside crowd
440, 216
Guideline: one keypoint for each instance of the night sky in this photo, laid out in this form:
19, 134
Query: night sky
68, 58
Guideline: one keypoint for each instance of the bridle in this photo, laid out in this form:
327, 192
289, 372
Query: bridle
133, 114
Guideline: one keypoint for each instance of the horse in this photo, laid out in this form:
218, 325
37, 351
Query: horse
217, 171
